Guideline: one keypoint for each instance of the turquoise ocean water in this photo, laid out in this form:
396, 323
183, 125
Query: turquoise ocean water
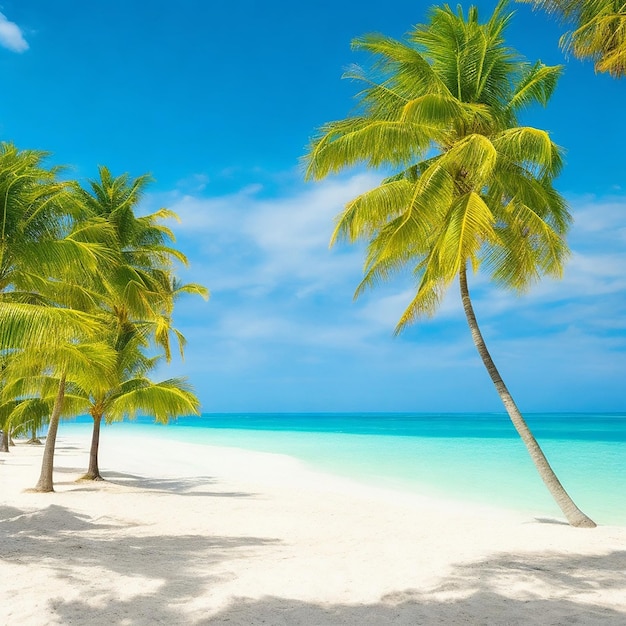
475, 457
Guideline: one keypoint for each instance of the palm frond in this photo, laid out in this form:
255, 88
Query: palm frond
536, 85
412, 73
530, 148
27, 326
373, 142
370, 211
598, 31
163, 401
465, 229
529, 248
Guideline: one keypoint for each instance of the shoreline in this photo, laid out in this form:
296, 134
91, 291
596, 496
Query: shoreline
184, 533
488, 471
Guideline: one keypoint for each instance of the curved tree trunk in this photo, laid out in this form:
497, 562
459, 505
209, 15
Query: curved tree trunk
573, 514
93, 473
45, 479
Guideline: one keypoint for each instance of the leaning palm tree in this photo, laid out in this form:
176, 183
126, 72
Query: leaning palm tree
469, 186
598, 31
47, 375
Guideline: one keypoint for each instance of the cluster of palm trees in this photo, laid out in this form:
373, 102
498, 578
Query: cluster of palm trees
87, 287
87, 290
466, 186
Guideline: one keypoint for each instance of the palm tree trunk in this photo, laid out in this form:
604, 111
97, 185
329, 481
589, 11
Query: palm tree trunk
34, 440
572, 513
4, 440
93, 473
45, 479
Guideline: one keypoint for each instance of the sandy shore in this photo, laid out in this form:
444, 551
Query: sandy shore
185, 534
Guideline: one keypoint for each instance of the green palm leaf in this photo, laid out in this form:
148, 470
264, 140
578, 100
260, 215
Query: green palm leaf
598, 31
165, 400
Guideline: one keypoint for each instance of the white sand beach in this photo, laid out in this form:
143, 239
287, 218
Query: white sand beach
186, 534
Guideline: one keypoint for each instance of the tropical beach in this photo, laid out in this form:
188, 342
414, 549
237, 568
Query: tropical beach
448, 447
192, 534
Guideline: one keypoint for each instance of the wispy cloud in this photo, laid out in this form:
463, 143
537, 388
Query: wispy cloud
245, 241
282, 314
11, 36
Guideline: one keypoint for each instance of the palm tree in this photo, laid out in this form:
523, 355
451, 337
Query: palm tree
46, 375
17, 414
598, 30
42, 346
46, 248
21, 416
138, 294
470, 185
131, 392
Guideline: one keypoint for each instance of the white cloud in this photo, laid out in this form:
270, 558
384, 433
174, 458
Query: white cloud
599, 217
11, 36
282, 312
248, 242
257, 245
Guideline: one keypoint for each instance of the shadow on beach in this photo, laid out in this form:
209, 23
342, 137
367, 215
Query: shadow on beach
181, 486
476, 603
481, 607
472, 594
172, 572
75, 547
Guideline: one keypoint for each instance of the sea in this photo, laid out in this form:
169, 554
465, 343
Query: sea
474, 457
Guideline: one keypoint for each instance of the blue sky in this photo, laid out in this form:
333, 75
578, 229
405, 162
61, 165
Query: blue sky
218, 101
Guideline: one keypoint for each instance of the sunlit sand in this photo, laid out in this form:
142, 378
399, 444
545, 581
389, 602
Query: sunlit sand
188, 534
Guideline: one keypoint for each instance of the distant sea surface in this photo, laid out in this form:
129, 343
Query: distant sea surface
476, 457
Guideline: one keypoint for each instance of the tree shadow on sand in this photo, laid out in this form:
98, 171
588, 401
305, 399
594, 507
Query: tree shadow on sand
473, 594
481, 608
468, 597
182, 486
174, 569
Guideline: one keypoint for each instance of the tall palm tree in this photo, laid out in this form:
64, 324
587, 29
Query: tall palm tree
46, 248
470, 187
138, 294
598, 30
